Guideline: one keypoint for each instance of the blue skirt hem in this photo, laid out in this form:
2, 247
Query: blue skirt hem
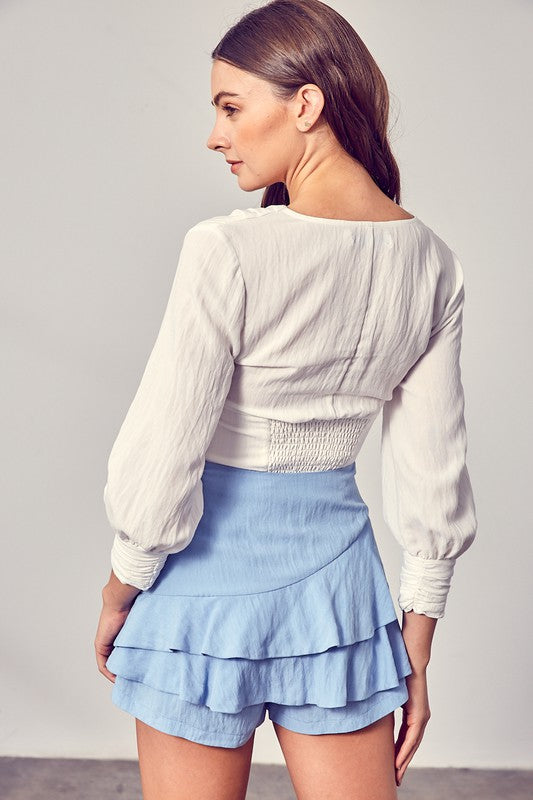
169, 714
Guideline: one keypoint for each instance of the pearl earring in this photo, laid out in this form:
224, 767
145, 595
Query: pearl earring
307, 123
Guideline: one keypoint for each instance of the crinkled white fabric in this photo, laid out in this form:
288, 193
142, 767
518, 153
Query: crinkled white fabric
286, 335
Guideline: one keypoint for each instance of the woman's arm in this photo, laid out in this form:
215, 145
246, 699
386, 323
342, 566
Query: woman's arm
117, 599
153, 494
117, 595
417, 632
428, 500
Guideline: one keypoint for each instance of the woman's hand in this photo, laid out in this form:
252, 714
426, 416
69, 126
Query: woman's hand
417, 632
416, 714
118, 599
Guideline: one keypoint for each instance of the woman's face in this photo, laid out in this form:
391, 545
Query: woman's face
253, 127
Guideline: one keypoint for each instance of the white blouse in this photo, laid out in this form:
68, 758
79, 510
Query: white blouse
283, 338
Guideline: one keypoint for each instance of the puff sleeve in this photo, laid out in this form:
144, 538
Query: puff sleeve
153, 494
427, 495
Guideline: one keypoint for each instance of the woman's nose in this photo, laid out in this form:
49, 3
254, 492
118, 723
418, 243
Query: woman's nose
217, 139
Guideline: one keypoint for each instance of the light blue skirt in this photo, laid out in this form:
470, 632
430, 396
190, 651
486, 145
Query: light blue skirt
279, 602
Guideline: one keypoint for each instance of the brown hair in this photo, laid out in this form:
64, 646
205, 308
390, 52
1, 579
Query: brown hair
293, 42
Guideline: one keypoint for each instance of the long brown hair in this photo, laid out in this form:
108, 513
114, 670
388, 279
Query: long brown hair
293, 42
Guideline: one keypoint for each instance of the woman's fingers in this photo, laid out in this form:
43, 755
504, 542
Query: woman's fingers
408, 742
102, 654
109, 625
416, 715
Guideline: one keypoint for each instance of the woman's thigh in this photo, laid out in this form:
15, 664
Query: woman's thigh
174, 768
358, 765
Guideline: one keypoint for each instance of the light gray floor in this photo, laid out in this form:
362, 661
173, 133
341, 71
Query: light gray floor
80, 779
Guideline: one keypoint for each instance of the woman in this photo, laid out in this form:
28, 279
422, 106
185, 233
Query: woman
246, 576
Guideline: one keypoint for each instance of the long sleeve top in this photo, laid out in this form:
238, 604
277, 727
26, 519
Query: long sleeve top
284, 337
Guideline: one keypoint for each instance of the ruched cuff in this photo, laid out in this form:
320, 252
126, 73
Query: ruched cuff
424, 584
133, 565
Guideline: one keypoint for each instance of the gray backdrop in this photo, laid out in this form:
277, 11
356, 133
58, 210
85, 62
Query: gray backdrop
105, 116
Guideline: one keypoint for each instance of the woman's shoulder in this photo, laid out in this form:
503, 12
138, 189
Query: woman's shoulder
243, 228
235, 218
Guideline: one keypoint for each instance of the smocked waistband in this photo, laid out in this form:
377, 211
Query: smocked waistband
274, 445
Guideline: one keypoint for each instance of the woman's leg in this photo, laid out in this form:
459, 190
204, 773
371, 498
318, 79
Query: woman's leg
174, 768
358, 765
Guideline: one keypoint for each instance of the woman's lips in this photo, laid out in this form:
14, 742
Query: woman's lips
235, 167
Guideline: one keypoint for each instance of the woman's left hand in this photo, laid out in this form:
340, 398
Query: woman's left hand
118, 599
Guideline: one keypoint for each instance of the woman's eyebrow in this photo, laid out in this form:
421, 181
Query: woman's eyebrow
217, 98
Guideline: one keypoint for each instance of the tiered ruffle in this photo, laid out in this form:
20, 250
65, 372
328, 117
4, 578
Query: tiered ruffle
327, 639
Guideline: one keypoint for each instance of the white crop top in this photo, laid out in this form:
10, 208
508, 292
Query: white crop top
283, 338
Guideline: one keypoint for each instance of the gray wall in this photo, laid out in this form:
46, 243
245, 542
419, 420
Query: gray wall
105, 114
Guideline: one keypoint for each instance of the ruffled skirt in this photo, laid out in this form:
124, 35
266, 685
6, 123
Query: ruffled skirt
281, 597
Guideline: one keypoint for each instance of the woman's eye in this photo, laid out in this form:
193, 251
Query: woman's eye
230, 109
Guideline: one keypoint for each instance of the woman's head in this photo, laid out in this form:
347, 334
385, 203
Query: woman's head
293, 62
